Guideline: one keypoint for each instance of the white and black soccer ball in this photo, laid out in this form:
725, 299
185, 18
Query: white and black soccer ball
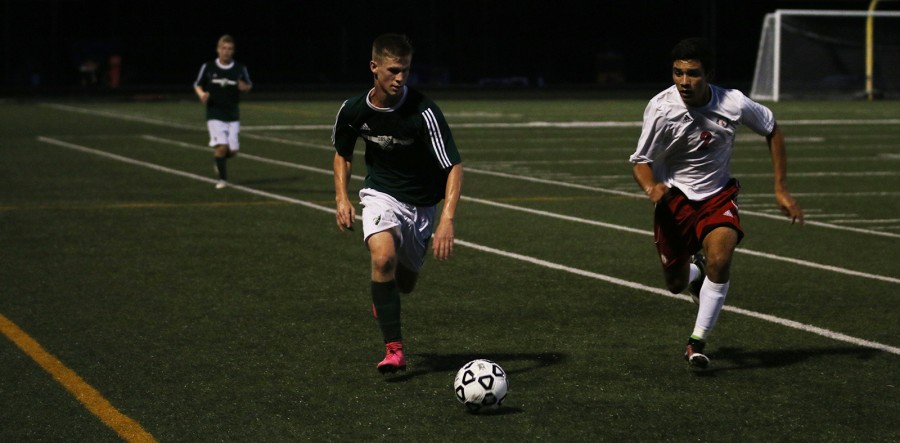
481, 385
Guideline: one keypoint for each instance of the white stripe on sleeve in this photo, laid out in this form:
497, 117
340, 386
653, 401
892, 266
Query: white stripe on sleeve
437, 140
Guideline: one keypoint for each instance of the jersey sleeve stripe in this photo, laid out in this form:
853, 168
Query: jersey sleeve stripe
336, 118
200, 75
437, 140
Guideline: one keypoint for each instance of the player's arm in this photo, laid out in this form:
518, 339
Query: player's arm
244, 83
443, 234
345, 212
783, 197
643, 175
198, 86
201, 94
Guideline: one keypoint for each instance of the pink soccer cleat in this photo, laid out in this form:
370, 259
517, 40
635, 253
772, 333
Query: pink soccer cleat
394, 360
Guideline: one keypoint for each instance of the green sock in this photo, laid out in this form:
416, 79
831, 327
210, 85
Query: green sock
220, 165
386, 299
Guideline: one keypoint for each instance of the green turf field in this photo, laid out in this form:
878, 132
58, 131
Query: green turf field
138, 302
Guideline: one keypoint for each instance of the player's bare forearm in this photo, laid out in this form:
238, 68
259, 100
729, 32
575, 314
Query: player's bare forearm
783, 198
345, 213
643, 175
443, 235
201, 94
244, 86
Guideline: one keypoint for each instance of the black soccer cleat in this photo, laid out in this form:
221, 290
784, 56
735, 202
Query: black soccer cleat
694, 354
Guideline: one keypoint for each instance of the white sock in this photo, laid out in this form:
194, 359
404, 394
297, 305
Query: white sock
712, 298
693, 273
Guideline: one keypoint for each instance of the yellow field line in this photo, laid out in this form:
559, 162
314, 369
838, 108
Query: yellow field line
127, 428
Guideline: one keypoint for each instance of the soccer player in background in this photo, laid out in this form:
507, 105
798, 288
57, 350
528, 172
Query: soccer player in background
411, 165
682, 163
219, 86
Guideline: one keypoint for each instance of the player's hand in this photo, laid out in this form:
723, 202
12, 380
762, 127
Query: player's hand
789, 207
658, 192
443, 240
345, 215
204, 97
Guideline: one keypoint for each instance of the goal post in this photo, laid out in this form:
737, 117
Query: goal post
827, 54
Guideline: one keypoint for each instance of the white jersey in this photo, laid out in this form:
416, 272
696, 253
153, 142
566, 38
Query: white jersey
690, 147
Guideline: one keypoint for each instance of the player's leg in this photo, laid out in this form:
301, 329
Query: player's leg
719, 247
672, 248
416, 235
723, 232
385, 291
220, 155
406, 279
218, 140
386, 299
234, 143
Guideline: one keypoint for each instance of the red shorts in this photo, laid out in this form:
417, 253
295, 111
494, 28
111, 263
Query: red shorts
679, 224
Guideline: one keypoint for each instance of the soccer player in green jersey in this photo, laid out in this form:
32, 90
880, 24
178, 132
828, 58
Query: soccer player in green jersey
219, 86
411, 165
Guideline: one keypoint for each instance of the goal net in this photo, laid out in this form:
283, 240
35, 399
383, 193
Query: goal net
819, 54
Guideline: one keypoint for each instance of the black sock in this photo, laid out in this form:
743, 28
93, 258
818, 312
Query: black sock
386, 299
220, 165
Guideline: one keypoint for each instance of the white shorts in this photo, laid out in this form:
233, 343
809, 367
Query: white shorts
224, 133
411, 225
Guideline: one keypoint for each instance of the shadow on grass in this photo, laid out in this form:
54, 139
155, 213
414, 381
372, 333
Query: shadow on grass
737, 359
512, 363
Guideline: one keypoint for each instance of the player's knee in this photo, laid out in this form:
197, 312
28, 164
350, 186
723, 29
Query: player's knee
383, 264
677, 286
718, 272
677, 279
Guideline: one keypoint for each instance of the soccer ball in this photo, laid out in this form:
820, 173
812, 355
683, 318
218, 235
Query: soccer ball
481, 385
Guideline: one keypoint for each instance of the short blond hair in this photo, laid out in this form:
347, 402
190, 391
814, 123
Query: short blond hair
225, 39
391, 46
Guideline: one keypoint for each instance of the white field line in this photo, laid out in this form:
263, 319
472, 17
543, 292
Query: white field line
536, 261
540, 213
532, 124
192, 176
154, 121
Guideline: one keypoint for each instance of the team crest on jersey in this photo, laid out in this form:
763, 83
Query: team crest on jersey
223, 82
387, 142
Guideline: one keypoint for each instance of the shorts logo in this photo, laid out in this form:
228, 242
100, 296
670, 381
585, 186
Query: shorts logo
663, 259
728, 213
377, 220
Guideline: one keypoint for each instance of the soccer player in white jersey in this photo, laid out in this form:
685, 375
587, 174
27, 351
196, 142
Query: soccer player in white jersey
411, 164
682, 162
219, 86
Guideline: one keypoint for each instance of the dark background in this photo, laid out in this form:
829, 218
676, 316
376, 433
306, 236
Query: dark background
326, 44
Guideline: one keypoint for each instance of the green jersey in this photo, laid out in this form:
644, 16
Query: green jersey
409, 149
221, 82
